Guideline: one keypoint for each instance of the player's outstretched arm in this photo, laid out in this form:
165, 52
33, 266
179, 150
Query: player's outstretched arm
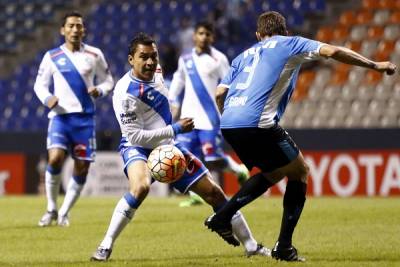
351, 57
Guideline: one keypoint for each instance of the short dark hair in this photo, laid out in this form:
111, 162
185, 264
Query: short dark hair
271, 23
73, 13
206, 25
140, 38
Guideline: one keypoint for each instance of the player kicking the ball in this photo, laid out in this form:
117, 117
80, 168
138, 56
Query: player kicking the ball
142, 109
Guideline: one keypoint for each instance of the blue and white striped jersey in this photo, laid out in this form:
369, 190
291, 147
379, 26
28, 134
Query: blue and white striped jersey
143, 112
72, 74
197, 77
261, 80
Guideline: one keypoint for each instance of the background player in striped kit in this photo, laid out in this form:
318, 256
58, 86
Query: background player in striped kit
142, 109
73, 68
198, 74
256, 92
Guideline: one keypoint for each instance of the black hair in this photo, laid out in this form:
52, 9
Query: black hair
206, 25
271, 23
140, 38
73, 13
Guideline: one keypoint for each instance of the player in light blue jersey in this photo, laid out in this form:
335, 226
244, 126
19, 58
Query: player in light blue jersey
142, 109
73, 67
253, 98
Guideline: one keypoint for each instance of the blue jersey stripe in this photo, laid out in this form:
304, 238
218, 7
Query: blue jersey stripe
201, 91
73, 78
153, 98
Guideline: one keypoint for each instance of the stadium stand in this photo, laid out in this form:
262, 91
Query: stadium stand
371, 28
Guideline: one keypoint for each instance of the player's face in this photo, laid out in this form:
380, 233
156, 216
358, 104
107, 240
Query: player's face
73, 30
144, 61
203, 38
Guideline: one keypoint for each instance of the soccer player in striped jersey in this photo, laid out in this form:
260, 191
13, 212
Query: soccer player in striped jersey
142, 109
73, 68
196, 78
253, 98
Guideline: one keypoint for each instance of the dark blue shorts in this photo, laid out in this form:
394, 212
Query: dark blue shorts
267, 149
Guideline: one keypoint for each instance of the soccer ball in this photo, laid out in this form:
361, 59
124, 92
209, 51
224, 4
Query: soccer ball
166, 163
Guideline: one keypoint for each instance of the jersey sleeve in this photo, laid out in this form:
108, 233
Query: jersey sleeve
43, 79
103, 75
307, 48
130, 117
177, 84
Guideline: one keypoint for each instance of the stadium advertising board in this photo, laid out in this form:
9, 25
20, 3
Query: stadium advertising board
346, 173
12, 174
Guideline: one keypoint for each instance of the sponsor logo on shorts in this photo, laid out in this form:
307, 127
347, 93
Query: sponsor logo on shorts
193, 164
80, 150
207, 148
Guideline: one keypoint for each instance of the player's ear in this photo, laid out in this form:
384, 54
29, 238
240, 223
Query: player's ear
258, 36
130, 60
62, 31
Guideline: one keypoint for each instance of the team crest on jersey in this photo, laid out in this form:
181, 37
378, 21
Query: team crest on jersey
62, 61
189, 64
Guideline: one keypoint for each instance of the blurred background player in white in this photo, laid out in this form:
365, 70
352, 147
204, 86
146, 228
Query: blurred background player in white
140, 102
73, 67
256, 92
192, 95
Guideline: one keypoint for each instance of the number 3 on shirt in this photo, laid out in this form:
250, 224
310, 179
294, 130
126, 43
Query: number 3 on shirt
256, 58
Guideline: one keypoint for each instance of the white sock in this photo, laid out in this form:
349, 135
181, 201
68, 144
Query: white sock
123, 214
232, 166
242, 231
71, 196
52, 185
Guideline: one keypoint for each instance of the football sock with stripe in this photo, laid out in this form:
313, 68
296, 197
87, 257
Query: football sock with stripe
123, 214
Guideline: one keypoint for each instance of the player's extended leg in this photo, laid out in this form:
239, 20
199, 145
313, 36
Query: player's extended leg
52, 184
293, 203
214, 196
73, 191
139, 183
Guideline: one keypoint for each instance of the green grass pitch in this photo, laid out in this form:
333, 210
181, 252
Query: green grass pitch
331, 232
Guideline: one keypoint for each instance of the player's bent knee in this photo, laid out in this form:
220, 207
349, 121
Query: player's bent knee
56, 162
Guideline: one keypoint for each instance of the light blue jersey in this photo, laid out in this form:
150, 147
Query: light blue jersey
262, 79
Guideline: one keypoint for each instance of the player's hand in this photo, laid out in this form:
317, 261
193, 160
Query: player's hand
93, 91
187, 124
52, 102
388, 67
